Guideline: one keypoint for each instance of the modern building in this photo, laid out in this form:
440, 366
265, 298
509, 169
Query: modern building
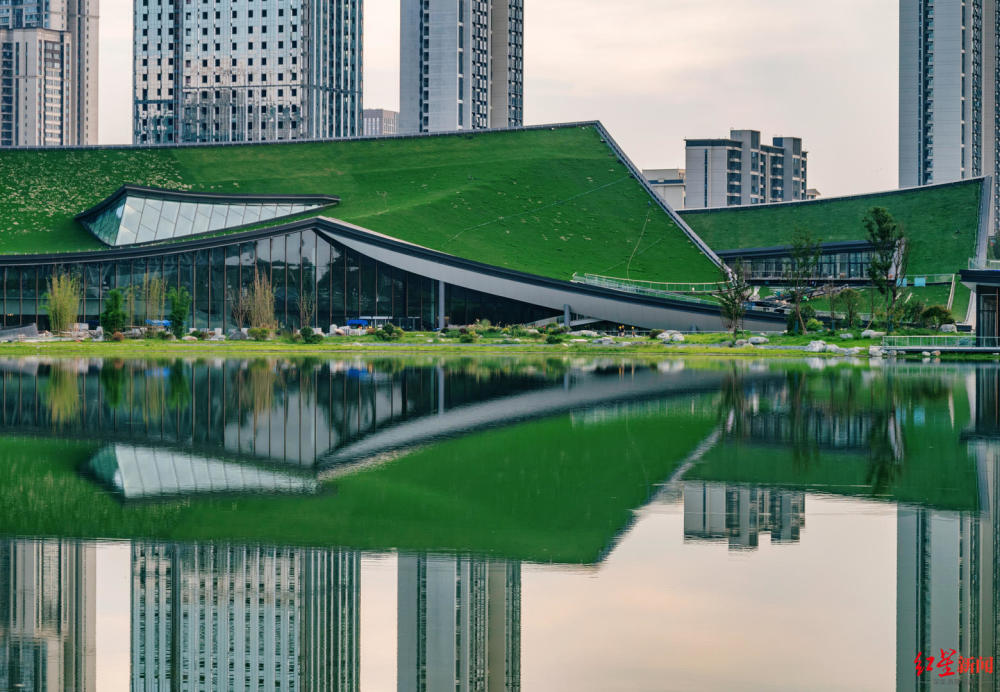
741, 170
236, 617
459, 624
48, 72
461, 65
239, 71
48, 623
379, 122
668, 184
401, 247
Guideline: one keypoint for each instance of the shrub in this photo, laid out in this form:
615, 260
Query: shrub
113, 317
517, 331
936, 315
118, 336
912, 311
258, 333
180, 308
164, 335
808, 313
309, 336
468, 337
553, 339
814, 325
389, 332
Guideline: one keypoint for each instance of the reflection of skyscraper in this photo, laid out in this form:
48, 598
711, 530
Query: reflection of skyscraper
234, 617
459, 624
47, 615
715, 511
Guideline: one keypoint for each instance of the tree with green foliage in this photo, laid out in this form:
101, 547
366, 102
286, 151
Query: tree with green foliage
849, 301
113, 318
889, 258
180, 309
734, 291
62, 301
801, 269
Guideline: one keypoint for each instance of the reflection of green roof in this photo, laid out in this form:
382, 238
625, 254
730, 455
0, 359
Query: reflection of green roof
941, 222
548, 201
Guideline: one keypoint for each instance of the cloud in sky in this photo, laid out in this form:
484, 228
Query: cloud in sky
657, 71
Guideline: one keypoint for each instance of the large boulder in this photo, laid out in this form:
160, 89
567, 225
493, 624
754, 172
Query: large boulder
875, 351
589, 333
834, 348
677, 337
237, 335
846, 335
872, 334
816, 347
758, 340
949, 328
740, 343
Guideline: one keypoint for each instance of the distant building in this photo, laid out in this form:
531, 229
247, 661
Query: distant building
240, 71
668, 184
742, 170
948, 97
461, 65
380, 122
48, 73
812, 193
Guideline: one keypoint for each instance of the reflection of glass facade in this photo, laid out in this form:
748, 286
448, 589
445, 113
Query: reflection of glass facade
240, 71
343, 284
138, 218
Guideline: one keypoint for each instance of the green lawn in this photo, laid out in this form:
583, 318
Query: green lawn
550, 202
940, 221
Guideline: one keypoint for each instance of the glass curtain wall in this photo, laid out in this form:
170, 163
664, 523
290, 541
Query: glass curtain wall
315, 281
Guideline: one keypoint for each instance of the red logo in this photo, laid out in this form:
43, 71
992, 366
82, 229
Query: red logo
948, 666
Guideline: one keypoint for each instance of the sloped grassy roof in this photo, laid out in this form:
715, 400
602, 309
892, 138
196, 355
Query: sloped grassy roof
941, 222
549, 201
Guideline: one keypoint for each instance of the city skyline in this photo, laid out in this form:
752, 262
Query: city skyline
690, 72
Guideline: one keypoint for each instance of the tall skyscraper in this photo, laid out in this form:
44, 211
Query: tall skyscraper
743, 170
461, 65
459, 624
245, 71
948, 69
48, 72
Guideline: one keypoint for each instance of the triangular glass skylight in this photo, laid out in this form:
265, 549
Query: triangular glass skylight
135, 215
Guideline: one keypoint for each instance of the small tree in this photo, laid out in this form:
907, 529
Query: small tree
239, 306
180, 308
113, 318
307, 309
801, 270
733, 293
63, 301
890, 257
155, 290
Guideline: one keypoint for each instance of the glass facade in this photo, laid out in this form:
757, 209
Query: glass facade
315, 279
140, 219
851, 264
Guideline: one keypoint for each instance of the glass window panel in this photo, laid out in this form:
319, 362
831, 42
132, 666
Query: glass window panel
324, 308
202, 283
283, 210
217, 316
203, 215
235, 216
338, 276
168, 220
251, 213
218, 219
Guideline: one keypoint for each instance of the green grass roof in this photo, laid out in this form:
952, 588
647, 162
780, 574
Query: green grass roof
549, 201
941, 222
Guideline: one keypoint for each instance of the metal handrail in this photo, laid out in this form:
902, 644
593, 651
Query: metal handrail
665, 286
975, 263
930, 342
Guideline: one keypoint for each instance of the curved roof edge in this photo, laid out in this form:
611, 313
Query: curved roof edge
193, 195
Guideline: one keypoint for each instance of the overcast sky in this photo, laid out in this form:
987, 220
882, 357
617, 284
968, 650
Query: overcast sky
657, 71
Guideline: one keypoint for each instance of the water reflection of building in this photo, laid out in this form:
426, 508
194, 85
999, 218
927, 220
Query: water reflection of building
238, 617
947, 587
47, 615
739, 514
459, 624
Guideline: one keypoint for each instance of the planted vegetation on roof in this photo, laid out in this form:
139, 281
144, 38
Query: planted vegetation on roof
548, 201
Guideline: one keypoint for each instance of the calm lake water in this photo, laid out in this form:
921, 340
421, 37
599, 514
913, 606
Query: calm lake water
505, 524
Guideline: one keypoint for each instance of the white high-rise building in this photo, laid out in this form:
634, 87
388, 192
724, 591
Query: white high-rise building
48, 72
245, 71
741, 170
948, 67
461, 65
